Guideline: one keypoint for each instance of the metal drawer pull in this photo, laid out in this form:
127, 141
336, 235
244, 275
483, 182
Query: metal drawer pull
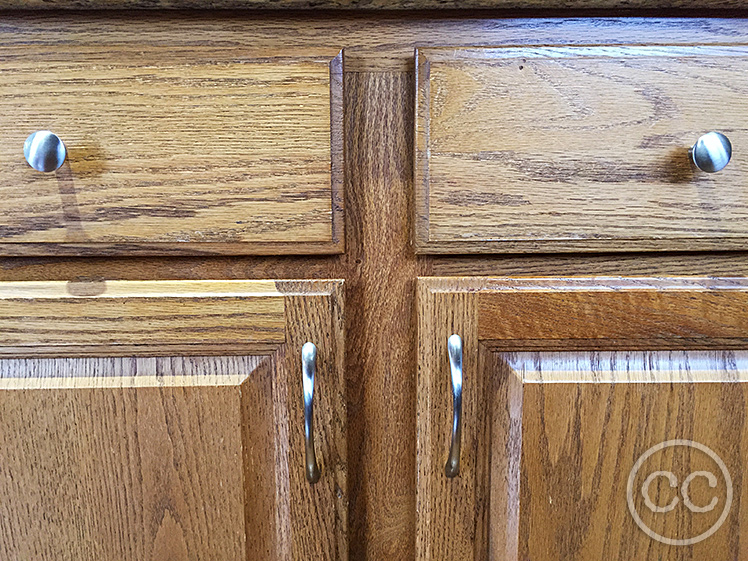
44, 151
712, 152
308, 369
454, 346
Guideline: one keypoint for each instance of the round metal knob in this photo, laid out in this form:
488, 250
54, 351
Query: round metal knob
44, 151
712, 152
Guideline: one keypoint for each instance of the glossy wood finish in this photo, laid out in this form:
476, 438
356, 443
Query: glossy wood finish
151, 316
715, 5
174, 150
582, 431
379, 265
186, 456
577, 149
575, 312
567, 426
372, 42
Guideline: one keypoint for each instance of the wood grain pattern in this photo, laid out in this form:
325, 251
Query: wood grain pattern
451, 522
317, 520
579, 148
366, 5
235, 151
582, 435
551, 436
154, 316
122, 473
380, 328
598, 312
179, 457
379, 265
373, 42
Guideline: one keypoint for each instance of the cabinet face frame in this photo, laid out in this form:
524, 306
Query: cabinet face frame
261, 323
476, 515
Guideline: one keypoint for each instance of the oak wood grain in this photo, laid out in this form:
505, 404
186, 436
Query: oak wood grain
450, 520
236, 151
380, 273
181, 456
380, 270
582, 434
367, 5
599, 312
380, 265
551, 436
373, 42
122, 472
577, 149
61, 317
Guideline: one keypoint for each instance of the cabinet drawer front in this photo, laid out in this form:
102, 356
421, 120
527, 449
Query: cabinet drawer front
165, 420
578, 149
173, 150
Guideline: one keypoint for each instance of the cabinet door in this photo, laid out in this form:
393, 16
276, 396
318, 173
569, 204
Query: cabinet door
165, 420
600, 419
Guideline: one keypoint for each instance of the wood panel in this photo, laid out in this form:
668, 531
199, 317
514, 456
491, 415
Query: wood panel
129, 472
78, 317
174, 150
580, 148
380, 324
715, 5
379, 266
550, 436
450, 523
373, 42
600, 312
183, 456
586, 418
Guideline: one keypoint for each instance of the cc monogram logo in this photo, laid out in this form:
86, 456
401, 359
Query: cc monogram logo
673, 480
712, 480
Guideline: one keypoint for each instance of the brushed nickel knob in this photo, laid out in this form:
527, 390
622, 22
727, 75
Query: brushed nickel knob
712, 152
44, 151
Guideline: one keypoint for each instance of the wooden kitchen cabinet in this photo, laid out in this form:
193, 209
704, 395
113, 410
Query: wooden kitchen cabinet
164, 420
601, 418
171, 426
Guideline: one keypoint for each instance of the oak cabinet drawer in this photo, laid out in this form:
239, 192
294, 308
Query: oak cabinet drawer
173, 150
582, 419
578, 149
165, 420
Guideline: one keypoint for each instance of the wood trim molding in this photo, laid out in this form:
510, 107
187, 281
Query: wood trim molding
595, 312
337, 153
137, 318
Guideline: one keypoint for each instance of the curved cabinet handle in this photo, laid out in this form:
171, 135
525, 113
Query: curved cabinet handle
454, 346
308, 370
44, 151
712, 152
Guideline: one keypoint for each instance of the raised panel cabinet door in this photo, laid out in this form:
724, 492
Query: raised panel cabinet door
580, 148
171, 150
165, 420
598, 418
